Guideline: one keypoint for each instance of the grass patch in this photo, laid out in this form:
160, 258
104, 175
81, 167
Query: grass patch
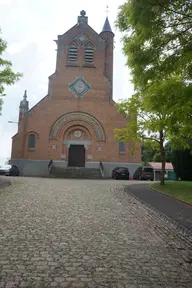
178, 189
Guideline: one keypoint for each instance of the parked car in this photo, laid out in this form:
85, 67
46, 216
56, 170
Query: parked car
144, 173
13, 171
3, 170
120, 173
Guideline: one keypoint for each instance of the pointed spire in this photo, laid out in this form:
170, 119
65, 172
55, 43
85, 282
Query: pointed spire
25, 95
24, 106
107, 26
24, 102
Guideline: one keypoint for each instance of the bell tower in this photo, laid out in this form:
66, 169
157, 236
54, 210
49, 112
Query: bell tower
108, 35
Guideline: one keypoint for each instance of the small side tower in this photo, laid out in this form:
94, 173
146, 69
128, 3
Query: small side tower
108, 35
24, 106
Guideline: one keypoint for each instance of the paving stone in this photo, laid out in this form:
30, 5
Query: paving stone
90, 233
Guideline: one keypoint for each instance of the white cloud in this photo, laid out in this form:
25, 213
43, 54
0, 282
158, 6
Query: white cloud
5, 2
16, 47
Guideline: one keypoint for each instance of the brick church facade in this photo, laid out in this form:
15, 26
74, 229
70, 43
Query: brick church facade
74, 123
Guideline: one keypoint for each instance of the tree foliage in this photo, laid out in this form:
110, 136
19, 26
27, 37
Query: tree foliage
182, 162
146, 124
7, 76
158, 44
150, 154
157, 39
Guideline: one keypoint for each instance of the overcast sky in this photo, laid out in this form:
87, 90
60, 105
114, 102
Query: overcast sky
29, 27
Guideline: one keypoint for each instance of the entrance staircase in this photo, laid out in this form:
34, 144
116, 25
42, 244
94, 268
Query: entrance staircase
75, 173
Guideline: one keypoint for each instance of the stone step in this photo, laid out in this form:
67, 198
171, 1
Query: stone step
75, 173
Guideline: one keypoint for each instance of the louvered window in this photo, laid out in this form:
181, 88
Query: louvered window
89, 54
72, 54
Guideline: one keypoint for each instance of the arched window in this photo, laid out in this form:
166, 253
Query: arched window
89, 54
72, 56
31, 141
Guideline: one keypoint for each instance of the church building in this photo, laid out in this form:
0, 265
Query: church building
73, 125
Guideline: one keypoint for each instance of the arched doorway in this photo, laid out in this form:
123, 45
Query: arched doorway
76, 140
76, 156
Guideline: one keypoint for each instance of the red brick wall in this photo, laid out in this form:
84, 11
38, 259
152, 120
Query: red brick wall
61, 101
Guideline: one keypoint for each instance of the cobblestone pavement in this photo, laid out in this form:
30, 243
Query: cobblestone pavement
73, 233
4, 182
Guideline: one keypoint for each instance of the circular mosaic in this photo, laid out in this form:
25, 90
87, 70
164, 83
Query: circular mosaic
77, 134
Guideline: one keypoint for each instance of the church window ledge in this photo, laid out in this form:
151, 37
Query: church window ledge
89, 65
31, 149
72, 64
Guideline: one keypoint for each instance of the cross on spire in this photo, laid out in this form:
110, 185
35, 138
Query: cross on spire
82, 17
107, 9
83, 13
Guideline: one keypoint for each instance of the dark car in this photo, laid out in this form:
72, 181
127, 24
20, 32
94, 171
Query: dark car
144, 173
120, 173
13, 171
3, 171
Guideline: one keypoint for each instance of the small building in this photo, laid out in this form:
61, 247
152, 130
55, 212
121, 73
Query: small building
157, 169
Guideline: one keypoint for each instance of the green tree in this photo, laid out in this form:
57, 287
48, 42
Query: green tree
147, 154
158, 44
147, 123
182, 163
7, 76
157, 38
153, 155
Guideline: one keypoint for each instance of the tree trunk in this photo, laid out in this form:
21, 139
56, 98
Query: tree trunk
162, 153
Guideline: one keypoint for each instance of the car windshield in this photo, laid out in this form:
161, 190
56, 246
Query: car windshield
148, 169
123, 170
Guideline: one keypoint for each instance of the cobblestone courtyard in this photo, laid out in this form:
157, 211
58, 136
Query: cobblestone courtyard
73, 233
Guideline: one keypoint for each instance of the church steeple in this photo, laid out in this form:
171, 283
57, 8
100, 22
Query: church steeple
108, 35
24, 106
107, 26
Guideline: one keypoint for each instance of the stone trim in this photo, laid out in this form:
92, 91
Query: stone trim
77, 142
79, 91
81, 116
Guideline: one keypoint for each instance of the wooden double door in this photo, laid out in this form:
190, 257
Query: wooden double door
76, 156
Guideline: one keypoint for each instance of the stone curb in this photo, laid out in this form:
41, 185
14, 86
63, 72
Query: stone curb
180, 228
172, 197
